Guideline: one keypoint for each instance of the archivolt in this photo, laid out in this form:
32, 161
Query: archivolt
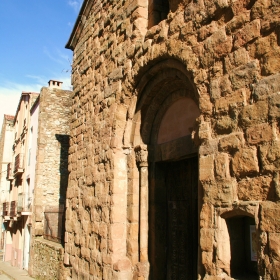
154, 91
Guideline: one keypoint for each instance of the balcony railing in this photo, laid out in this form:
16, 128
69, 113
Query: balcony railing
9, 172
5, 209
20, 204
19, 164
13, 209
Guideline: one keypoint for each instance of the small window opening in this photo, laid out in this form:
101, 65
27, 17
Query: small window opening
159, 9
243, 247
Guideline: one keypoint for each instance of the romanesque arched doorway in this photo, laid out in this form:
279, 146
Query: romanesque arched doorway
167, 113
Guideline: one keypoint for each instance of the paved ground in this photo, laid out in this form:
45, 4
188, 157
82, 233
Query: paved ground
8, 272
4, 276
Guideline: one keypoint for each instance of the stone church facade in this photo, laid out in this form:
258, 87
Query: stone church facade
174, 154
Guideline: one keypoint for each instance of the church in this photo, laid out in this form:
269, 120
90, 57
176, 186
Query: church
174, 156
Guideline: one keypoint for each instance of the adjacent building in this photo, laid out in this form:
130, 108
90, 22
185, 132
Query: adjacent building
7, 137
34, 154
174, 153
50, 181
17, 206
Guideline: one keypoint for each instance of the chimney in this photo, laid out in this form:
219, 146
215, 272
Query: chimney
55, 84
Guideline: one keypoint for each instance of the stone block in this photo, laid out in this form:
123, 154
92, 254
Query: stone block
245, 162
270, 217
274, 106
117, 231
236, 99
207, 261
249, 32
204, 131
222, 166
274, 246
258, 188
118, 214
225, 125
206, 239
266, 87
118, 248
271, 60
209, 147
206, 168
39, 211
206, 215
244, 75
221, 193
122, 265
270, 156
238, 21
254, 114
259, 133
217, 45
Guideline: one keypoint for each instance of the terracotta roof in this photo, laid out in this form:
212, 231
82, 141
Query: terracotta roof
9, 117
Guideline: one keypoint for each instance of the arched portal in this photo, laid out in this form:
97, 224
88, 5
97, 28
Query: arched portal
164, 123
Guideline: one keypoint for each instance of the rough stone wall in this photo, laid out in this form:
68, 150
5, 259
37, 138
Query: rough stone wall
6, 138
48, 258
230, 51
51, 175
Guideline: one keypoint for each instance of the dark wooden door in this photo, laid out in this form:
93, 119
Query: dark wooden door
182, 219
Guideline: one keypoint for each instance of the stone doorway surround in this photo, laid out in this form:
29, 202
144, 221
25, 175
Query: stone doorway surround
165, 92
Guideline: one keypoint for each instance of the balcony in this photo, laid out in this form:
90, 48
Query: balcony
19, 164
13, 209
5, 210
23, 205
10, 176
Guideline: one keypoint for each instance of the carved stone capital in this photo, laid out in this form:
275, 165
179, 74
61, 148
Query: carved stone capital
141, 155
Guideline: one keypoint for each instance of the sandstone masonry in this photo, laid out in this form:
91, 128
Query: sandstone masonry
135, 69
50, 182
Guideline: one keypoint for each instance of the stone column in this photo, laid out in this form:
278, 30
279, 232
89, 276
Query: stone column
141, 154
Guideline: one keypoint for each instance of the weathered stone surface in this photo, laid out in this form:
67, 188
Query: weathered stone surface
244, 75
206, 239
274, 245
270, 217
274, 106
266, 87
222, 54
245, 162
222, 193
206, 168
254, 114
258, 188
259, 133
51, 182
225, 125
270, 156
47, 259
231, 143
222, 166
248, 33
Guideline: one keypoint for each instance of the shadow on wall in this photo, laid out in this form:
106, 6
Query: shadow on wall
63, 166
54, 224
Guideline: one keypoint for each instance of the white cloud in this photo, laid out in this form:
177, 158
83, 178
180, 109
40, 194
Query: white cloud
75, 4
10, 92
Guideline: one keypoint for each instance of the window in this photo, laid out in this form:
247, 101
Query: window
159, 9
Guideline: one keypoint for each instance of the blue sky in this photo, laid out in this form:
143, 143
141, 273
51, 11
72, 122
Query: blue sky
33, 34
